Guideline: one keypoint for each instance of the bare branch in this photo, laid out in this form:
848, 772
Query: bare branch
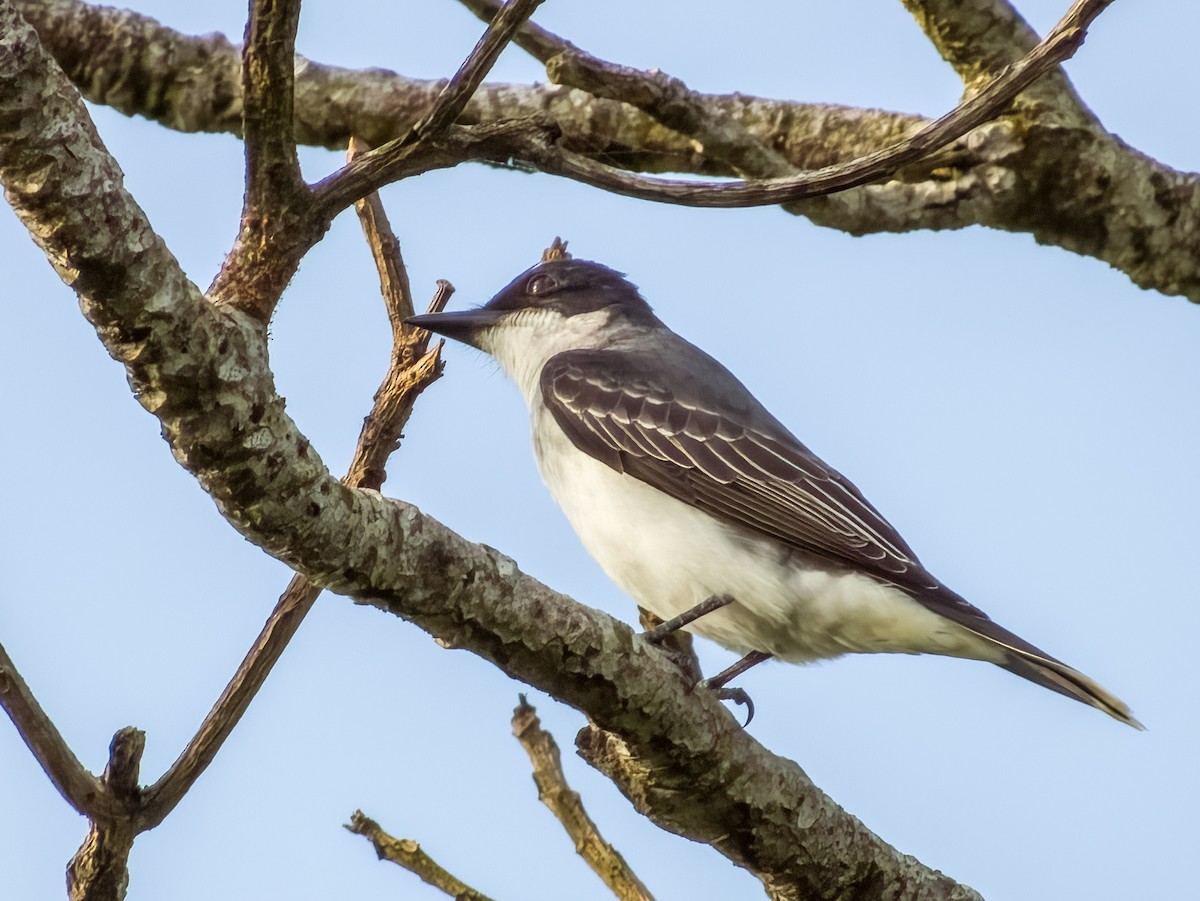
567, 807
273, 236
268, 66
99, 871
1060, 44
79, 788
407, 853
530, 37
387, 162
413, 366
163, 796
716, 133
453, 99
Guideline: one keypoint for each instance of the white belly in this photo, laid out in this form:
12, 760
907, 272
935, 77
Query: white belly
669, 557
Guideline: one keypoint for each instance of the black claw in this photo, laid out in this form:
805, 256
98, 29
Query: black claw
737, 695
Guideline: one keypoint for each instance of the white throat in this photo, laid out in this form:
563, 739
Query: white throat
525, 340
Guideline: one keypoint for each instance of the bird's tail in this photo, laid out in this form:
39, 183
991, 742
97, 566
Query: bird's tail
1057, 676
1032, 663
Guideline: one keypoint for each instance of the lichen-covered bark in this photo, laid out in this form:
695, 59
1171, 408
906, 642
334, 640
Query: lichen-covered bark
202, 370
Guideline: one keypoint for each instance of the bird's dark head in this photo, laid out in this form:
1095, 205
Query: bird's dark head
553, 295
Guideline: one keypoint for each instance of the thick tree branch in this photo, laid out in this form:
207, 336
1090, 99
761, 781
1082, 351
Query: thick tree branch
132, 63
978, 38
201, 370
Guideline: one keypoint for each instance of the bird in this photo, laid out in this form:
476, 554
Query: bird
704, 507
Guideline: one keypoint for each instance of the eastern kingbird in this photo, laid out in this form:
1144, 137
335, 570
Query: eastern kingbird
684, 488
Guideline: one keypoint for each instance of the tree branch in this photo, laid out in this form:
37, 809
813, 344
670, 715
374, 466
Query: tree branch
277, 207
99, 871
1060, 44
668, 100
978, 38
79, 788
408, 854
268, 62
386, 163
1038, 170
567, 807
474, 69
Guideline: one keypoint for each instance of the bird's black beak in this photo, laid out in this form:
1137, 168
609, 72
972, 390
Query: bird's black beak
462, 326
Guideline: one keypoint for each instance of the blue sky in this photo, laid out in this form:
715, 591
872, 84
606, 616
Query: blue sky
1025, 417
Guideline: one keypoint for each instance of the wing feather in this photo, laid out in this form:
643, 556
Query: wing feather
726, 456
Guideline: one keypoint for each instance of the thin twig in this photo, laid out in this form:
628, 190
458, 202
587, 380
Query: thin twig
567, 807
667, 99
453, 98
162, 797
412, 368
447, 106
82, 790
407, 853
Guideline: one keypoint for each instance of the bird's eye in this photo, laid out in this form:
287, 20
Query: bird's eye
541, 284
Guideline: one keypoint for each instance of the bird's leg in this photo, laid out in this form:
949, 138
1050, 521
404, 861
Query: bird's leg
721, 679
718, 682
675, 623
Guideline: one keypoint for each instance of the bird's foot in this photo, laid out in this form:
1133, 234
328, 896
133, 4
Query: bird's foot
718, 682
737, 695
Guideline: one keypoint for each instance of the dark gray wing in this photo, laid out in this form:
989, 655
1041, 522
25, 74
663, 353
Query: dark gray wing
697, 434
